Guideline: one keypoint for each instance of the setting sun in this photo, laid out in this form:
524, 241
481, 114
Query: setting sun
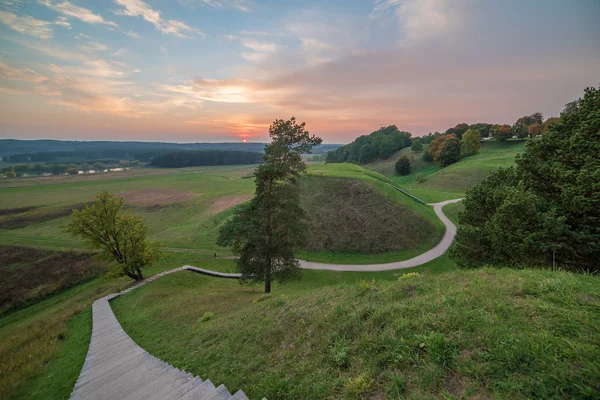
244, 140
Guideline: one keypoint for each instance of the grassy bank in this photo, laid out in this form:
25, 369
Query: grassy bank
488, 333
450, 182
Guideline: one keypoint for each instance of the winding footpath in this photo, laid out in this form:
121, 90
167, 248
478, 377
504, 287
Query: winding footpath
421, 259
117, 368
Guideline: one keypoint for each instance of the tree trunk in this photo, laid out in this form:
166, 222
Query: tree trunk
268, 281
140, 276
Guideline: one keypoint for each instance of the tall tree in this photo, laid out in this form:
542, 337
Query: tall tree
402, 166
470, 143
119, 237
520, 127
502, 132
265, 231
535, 129
449, 151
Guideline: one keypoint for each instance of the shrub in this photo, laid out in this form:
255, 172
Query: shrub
416, 145
420, 178
403, 166
72, 171
339, 351
427, 156
11, 174
206, 317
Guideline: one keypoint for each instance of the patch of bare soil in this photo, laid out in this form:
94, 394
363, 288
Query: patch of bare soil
154, 197
223, 203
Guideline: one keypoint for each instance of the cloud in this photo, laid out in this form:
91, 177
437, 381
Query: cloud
82, 36
133, 34
242, 5
71, 10
423, 19
26, 25
119, 52
63, 21
20, 74
136, 71
138, 8
92, 47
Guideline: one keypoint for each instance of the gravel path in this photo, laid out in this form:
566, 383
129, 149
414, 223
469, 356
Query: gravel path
432, 254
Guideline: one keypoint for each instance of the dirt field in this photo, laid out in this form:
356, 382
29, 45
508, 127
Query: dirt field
223, 203
155, 197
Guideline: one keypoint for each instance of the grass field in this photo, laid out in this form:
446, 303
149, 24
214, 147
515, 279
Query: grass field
450, 182
492, 333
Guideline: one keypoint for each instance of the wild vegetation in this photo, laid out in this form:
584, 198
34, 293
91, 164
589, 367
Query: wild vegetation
367, 148
349, 216
29, 274
544, 211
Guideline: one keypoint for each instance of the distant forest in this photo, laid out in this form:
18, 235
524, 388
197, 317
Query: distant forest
206, 157
59, 151
367, 148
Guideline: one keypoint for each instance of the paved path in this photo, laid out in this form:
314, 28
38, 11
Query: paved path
432, 254
117, 368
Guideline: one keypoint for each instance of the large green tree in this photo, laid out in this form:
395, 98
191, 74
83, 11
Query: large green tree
416, 145
265, 231
546, 210
502, 132
519, 128
470, 143
448, 152
402, 166
119, 237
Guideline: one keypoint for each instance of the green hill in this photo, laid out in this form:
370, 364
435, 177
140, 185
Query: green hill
357, 217
450, 182
490, 333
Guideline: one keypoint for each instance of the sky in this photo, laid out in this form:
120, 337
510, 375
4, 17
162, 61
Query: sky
223, 70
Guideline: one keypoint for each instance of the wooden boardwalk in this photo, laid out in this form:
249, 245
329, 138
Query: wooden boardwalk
117, 368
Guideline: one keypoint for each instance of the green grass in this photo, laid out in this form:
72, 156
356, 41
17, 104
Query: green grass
491, 333
62, 372
451, 211
450, 182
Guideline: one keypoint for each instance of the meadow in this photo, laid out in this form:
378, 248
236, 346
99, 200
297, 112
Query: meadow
451, 182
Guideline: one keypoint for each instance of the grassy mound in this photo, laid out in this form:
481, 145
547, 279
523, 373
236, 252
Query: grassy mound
357, 217
349, 216
450, 182
466, 334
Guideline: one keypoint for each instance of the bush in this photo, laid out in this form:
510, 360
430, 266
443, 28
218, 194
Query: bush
72, 171
416, 145
448, 152
427, 156
420, 178
11, 174
206, 317
403, 166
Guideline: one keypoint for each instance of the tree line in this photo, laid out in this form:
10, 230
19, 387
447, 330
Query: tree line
380, 144
545, 211
206, 157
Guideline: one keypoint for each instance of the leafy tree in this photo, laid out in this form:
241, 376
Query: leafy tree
403, 166
98, 166
265, 231
535, 129
546, 209
135, 163
449, 151
124, 163
58, 169
11, 174
84, 166
119, 237
458, 130
72, 171
520, 127
387, 147
416, 145
549, 122
368, 153
435, 145
502, 132
470, 143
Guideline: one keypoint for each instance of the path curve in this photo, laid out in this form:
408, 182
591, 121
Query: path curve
117, 368
421, 259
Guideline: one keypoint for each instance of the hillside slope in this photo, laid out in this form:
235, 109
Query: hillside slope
491, 333
356, 217
450, 182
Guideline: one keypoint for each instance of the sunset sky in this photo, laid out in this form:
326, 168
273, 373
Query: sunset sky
222, 70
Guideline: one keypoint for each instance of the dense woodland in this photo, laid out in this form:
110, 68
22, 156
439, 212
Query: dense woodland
206, 157
380, 144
